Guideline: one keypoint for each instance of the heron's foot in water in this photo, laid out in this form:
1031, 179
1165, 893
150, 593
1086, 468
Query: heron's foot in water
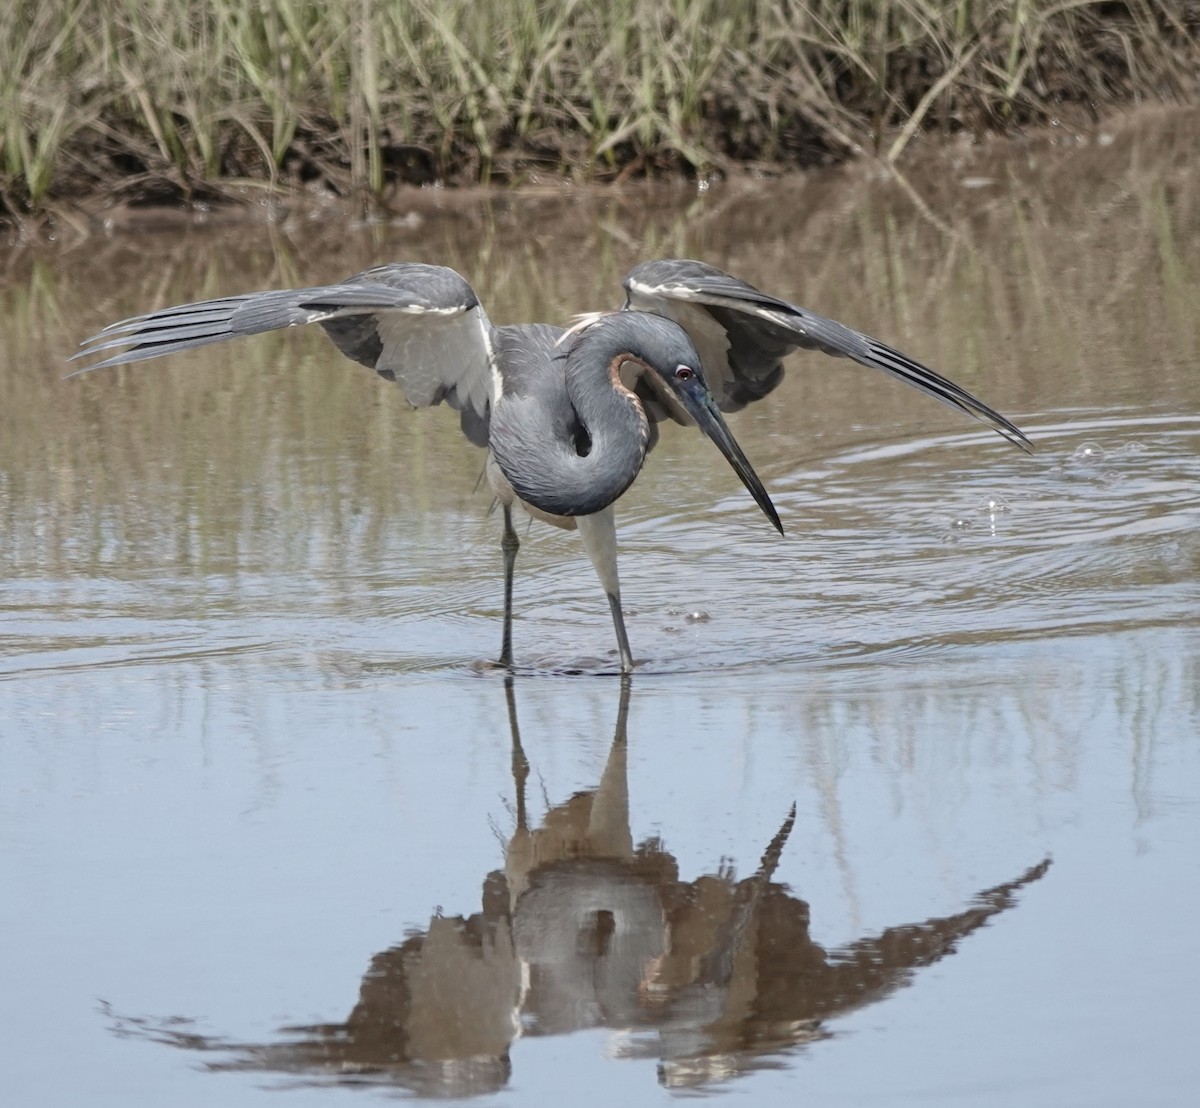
488, 665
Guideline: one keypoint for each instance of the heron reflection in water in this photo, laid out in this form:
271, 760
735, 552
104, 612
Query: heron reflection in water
567, 417
583, 928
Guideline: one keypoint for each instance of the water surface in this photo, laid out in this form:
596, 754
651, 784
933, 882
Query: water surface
897, 809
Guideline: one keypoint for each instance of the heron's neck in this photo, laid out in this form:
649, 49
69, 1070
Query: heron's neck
617, 432
585, 471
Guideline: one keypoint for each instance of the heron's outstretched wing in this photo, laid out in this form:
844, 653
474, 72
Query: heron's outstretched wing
743, 335
421, 326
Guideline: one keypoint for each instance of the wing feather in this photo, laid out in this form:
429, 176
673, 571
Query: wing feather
421, 326
743, 335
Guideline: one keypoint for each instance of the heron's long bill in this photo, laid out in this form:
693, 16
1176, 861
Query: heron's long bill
712, 424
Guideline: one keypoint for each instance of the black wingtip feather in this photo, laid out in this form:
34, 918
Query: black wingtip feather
942, 388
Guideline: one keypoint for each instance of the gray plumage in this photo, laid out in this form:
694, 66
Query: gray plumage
421, 326
558, 412
743, 335
570, 432
567, 417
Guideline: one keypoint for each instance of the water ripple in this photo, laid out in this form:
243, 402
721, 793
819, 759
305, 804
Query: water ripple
902, 547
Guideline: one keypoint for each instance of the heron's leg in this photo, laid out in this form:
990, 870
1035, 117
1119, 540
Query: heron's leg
614, 604
509, 544
599, 534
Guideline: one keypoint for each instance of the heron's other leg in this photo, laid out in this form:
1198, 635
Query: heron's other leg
520, 764
509, 544
599, 534
609, 834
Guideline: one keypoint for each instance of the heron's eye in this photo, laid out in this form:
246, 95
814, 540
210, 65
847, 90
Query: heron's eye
683, 373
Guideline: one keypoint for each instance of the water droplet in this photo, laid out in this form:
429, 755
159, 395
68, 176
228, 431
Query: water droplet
698, 616
961, 524
993, 506
1090, 452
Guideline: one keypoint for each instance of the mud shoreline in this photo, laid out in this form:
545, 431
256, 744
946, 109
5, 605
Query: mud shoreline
972, 161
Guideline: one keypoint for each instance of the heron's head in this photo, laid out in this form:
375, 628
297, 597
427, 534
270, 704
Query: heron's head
661, 354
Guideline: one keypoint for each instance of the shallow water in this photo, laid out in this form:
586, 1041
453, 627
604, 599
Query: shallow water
269, 827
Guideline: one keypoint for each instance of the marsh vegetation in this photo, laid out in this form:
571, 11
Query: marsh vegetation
174, 100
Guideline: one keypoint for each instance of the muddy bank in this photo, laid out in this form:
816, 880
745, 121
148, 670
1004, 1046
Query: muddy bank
168, 103
936, 171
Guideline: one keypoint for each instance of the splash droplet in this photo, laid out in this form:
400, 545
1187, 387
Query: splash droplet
993, 506
1089, 452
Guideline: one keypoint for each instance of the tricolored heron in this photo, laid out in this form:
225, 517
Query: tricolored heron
567, 417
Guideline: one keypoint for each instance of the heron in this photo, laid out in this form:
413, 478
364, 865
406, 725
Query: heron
567, 415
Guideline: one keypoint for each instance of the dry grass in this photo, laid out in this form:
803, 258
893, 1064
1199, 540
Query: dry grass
168, 100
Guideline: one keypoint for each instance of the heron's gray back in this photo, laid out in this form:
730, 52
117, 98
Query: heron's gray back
533, 369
